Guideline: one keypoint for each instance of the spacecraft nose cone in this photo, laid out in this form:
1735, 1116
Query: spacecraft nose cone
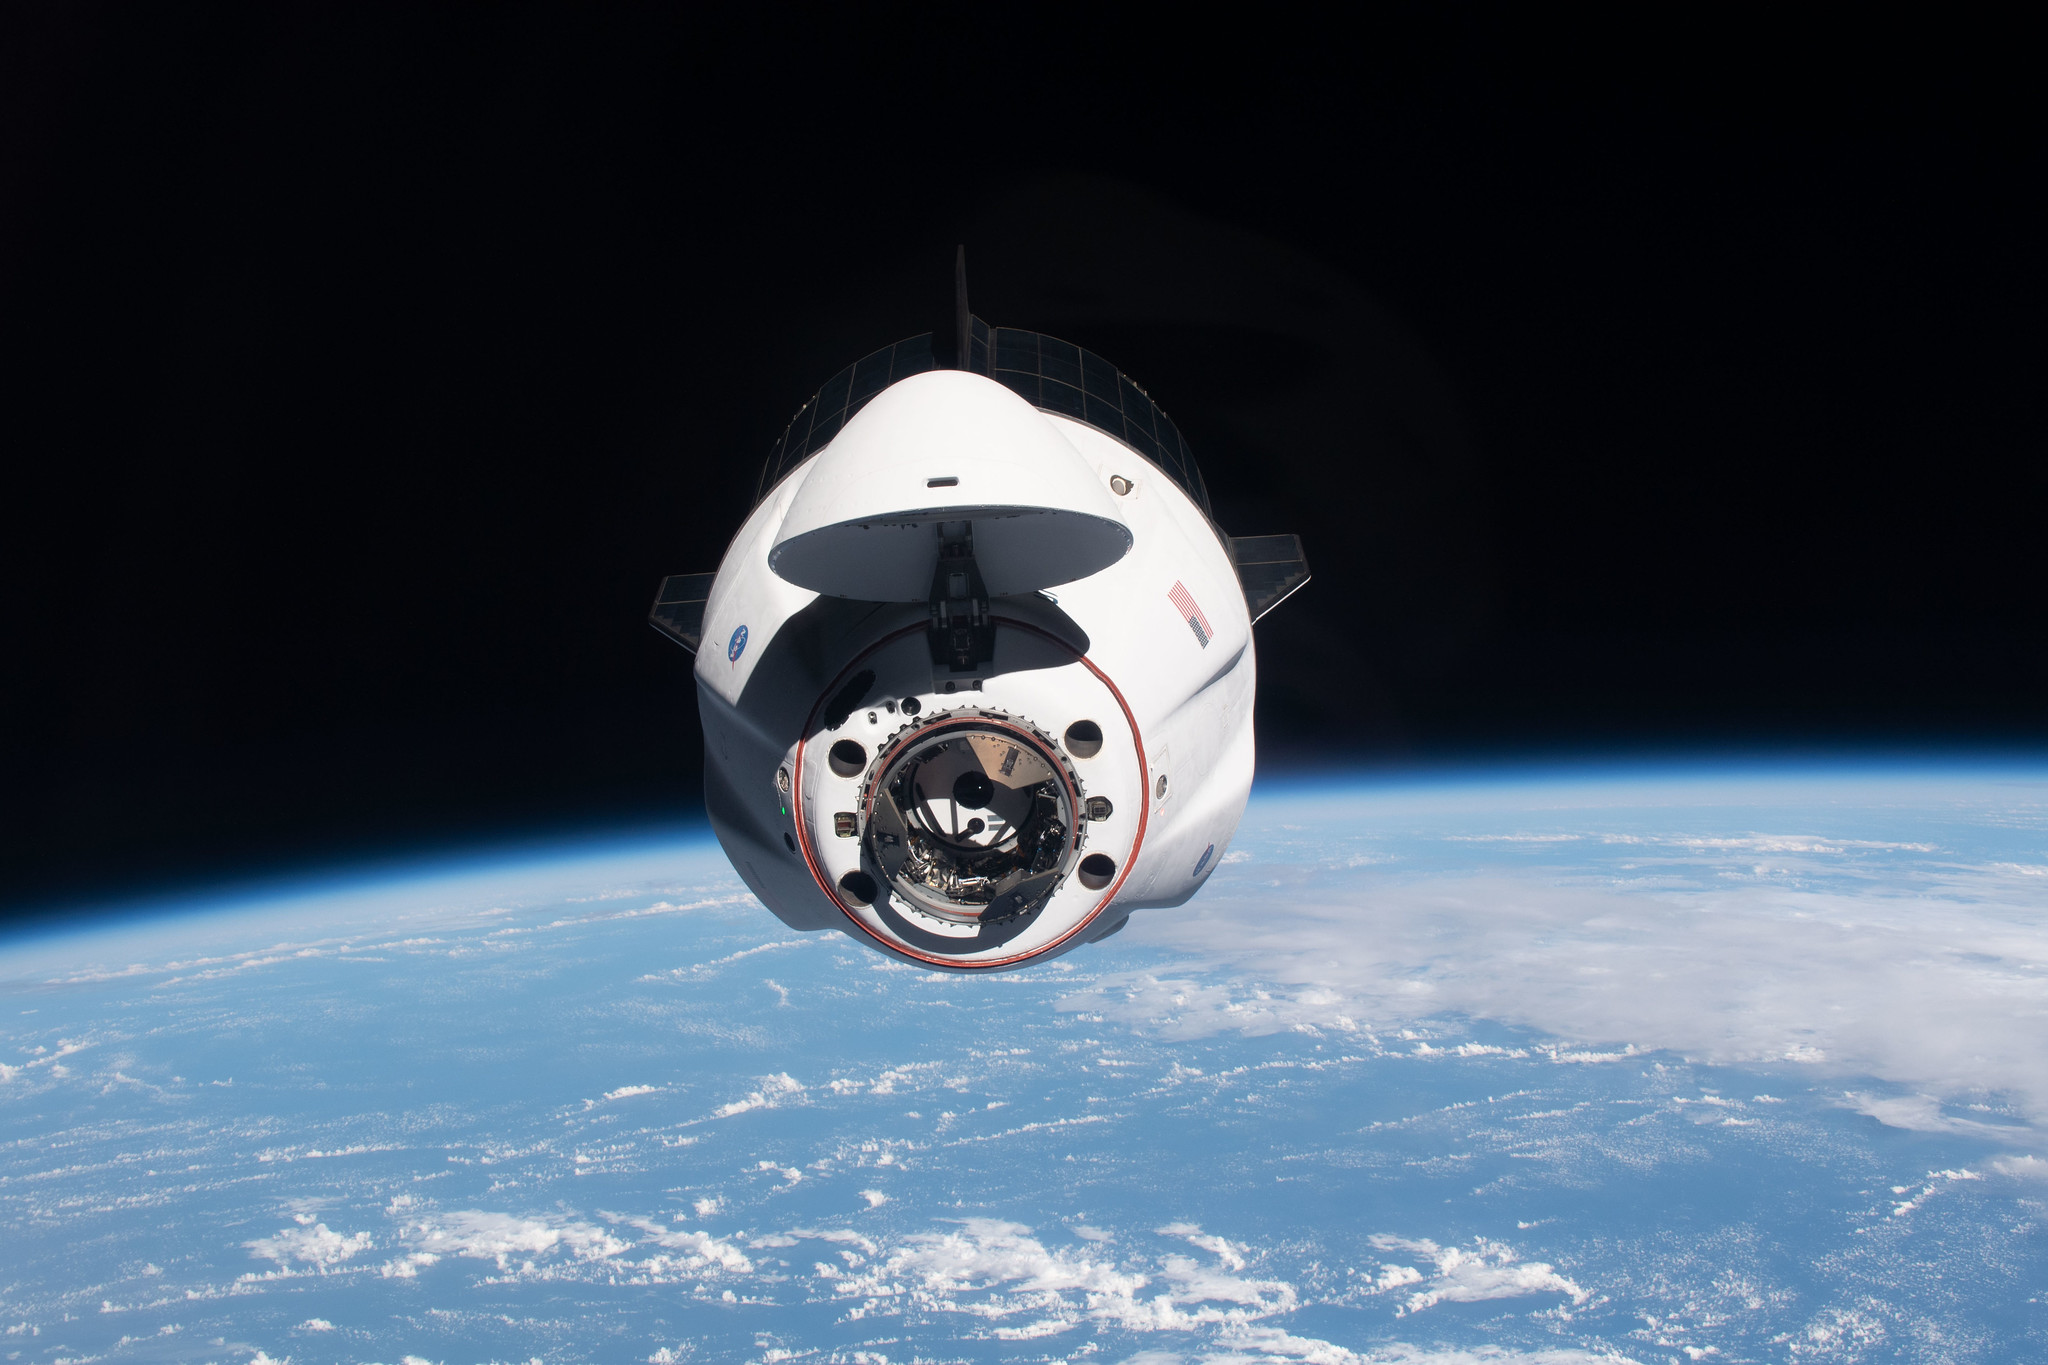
946, 447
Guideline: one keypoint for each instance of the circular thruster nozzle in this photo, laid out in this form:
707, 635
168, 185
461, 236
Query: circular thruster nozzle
971, 817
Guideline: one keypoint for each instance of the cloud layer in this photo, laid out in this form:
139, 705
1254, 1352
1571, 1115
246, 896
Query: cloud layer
1761, 948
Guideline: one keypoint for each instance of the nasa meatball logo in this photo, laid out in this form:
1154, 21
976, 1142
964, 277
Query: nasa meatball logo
738, 645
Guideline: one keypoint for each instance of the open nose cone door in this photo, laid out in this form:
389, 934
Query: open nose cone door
678, 610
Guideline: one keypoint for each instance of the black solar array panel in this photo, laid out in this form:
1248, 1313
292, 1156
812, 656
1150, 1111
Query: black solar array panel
844, 394
678, 610
1052, 375
1271, 569
1058, 376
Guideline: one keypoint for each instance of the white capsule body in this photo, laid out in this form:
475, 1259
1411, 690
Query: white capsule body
1120, 685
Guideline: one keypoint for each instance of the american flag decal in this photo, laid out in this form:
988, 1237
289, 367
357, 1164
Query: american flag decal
1184, 603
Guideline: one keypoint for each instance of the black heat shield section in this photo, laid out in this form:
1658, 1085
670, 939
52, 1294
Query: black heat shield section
1270, 569
678, 610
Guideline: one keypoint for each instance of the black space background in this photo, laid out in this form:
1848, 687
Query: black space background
1635, 388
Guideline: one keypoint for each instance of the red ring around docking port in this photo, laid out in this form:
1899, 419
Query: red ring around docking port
803, 828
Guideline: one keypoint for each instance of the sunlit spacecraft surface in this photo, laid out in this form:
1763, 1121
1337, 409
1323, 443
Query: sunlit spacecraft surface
976, 674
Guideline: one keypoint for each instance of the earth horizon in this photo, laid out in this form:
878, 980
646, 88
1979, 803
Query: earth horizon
1627, 1063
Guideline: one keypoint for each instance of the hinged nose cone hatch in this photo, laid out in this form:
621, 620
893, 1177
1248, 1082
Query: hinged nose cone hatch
946, 446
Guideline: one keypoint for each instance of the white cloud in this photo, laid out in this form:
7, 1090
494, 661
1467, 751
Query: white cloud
1274, 1344
1795, 843
501, 1237
1935, 1180
1489, 1270
703, 970
775, 1091
1228, 1256
875, 1198
315, 1245
633, 1250
1000, 1272
1394, 1276
316, 1325
846, 1236
1919, 1113
628, 1091
407, 1267
1839, 1334
1937, 982
2023, 1167
700, 1250
992, 1268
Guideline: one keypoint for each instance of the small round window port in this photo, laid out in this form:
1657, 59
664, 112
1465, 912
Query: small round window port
1159, 788
1097, 871
782, 780
1084, 739
1119, 485
847, 758
858, 887
789, 841
909, 705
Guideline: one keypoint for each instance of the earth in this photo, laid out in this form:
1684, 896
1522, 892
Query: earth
1715, 1064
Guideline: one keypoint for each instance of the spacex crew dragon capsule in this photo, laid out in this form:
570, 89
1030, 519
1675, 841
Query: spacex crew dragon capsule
976, 674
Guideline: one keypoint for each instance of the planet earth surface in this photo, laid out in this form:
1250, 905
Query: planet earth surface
1745, 1063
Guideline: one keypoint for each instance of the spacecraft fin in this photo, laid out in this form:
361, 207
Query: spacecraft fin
963, 321
1271, 569
953, 337
678, 610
